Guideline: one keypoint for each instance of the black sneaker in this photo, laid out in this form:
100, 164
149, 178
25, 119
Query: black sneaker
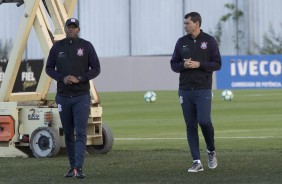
70, 173
79, 173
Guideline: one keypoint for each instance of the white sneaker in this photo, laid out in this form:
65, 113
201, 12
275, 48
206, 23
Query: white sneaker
212, 160
196, 167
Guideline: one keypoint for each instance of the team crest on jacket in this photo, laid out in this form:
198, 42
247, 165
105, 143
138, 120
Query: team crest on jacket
204, 45
80, 52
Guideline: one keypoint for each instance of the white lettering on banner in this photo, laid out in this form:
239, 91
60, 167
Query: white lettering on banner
262, 68
242, 67
255, 68
242, 84
232, 68
275, 67
256, 84
28, 76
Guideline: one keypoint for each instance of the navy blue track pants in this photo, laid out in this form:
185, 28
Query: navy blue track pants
196, 107
74, 113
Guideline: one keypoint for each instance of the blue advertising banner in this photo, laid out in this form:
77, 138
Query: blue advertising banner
250, 71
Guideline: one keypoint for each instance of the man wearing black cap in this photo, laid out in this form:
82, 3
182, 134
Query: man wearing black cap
73, 62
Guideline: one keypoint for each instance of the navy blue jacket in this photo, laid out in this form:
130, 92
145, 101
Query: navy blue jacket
73, 57
203, 49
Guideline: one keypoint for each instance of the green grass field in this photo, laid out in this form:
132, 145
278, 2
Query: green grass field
150, 143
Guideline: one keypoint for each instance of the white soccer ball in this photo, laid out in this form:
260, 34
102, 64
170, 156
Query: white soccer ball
227, 95
150, 96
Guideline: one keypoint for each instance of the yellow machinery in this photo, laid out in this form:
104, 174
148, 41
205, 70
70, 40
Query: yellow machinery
28, 119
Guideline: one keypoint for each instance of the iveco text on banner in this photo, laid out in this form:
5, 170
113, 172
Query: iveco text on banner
251, 71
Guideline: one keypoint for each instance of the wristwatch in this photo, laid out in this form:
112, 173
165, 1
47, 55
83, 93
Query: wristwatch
79, 78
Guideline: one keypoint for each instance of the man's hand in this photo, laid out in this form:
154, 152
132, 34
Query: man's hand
70, 80
74, 79
188, 63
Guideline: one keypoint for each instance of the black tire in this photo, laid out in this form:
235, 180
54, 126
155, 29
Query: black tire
107, 145
44, 142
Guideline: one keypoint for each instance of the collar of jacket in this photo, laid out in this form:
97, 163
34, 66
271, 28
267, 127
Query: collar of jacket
72, 41
199, 36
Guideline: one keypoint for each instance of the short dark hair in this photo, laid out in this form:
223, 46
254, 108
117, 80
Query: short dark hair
195, 16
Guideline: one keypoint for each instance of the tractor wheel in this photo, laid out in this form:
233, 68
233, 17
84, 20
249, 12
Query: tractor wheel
107, 145
44, 142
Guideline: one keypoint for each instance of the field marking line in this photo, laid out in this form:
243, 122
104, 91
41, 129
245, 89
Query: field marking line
133, 139
246, 137
261, 94
152, 138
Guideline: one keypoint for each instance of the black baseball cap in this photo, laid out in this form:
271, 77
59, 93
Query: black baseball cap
73, 21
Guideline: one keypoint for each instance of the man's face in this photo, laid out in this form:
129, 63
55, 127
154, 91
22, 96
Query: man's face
190, 26
72, 31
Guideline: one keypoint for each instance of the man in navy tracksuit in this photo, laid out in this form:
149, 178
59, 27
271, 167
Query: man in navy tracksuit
73, 62
195, 57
